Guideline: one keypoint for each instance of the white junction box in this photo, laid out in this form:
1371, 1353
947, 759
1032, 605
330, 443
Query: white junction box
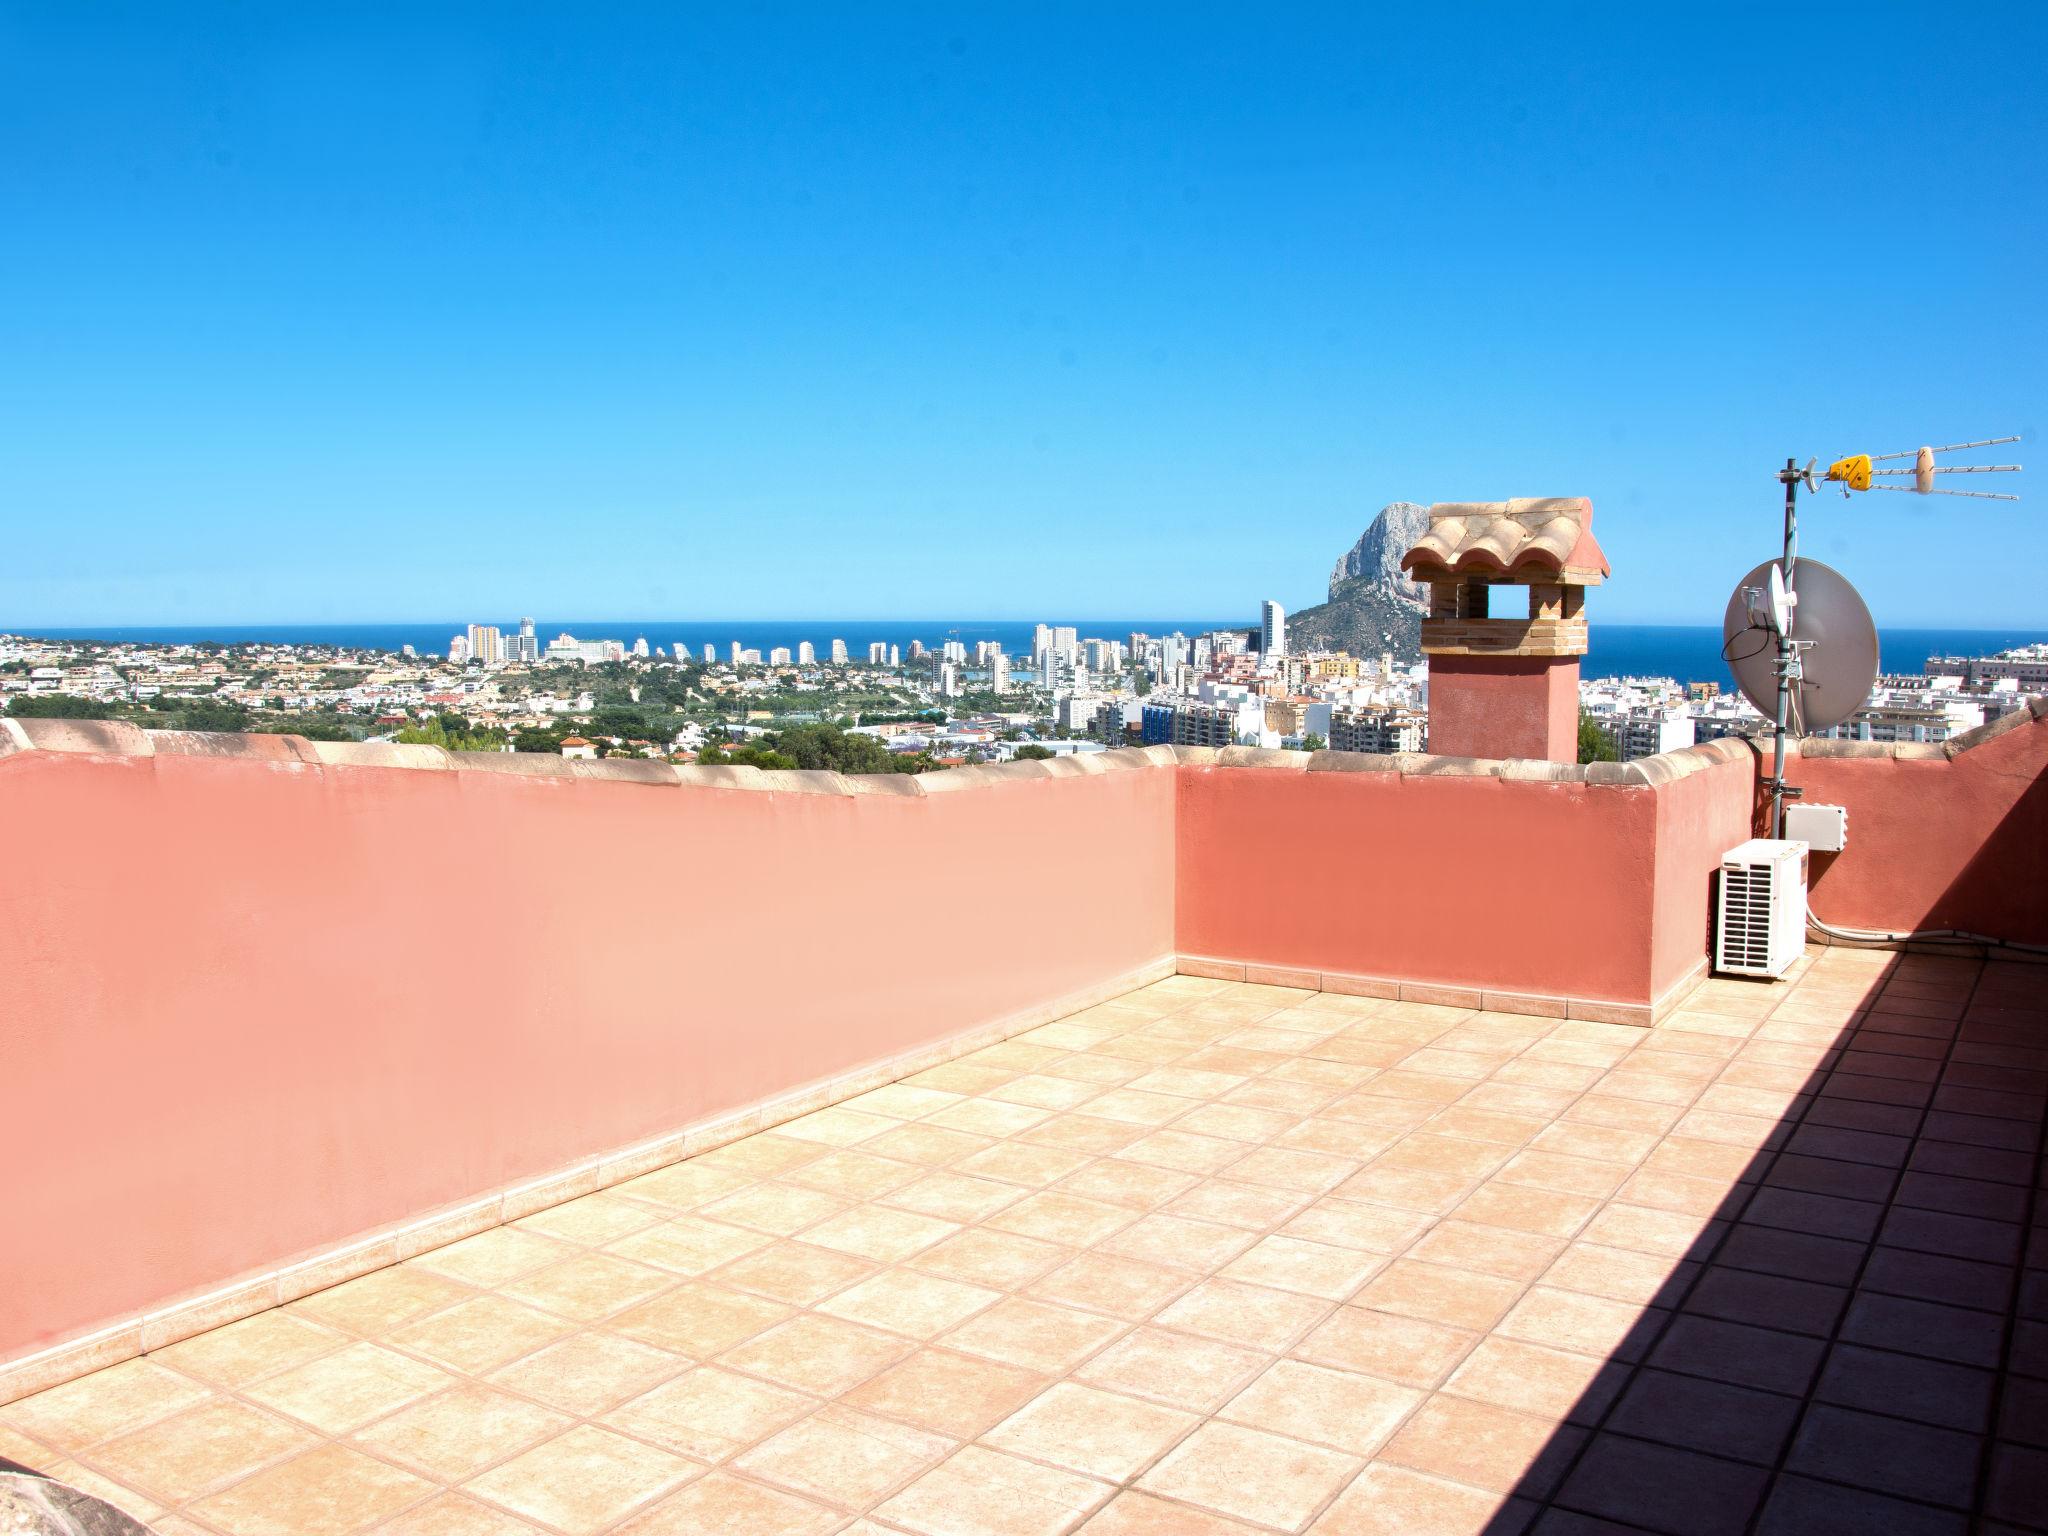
1760, 927
1823, 828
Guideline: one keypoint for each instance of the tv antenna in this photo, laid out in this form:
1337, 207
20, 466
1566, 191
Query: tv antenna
1855, 473
1768, 600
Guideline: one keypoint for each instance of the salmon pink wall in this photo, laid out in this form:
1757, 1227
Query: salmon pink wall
253, 1009
1699, 818
1938, 842
1472, 881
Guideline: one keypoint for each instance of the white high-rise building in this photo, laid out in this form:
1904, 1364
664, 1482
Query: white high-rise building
806, 654
955, 651
458, 649
878, 653
949, 680
640, 646
999, 672
737, 652
778, 656
527, 646
486, 644
710, 654
895, 656
1041, 640
1272, 628
838, 653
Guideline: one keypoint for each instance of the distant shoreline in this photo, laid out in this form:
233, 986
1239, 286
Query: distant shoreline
1688, 652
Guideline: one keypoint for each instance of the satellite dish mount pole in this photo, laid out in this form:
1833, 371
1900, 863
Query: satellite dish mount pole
1788, 656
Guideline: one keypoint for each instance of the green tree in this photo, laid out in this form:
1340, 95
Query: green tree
1032, 752
452, 733
1596, 743
58, 706
1314, 743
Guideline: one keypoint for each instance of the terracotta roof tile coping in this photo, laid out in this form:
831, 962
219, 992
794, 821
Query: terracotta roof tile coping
1531, 538
115, 738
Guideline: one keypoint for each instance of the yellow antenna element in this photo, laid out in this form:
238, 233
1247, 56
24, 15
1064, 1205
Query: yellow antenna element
1854, 472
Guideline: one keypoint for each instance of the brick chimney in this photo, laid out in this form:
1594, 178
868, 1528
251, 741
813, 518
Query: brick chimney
1506, 686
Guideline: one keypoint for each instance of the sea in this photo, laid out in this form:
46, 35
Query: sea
1690, 653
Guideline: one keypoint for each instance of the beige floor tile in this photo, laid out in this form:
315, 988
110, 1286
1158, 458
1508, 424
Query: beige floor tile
719, 1503
910, 1302
479, 1335
1118, 1181
329, 1491
1255, 1316
1176, 1369
690, 1245
844, 1457
487, 1259
1251, 1474
1087, 1430
1180, 1242
711, 1413
1499, 1251
982, 1492
1000, 1260
854, 1174
456, 1434
374, 1304
341, 1391
251, 1349
879, 1232
987, 1117
1035, 1335
1393, 1501
1079, 1132
1533, 1378
1341, 1410
456, 1514
836, 1126
1054, 1217
820, 1355
1132, 1513
774, 1207
1523, 1207
1565, 1173
949, 1393
763, 1156
1296, 1264
1483, 1445
1102, 1282
592, 1220
1588, 1325
1460, 1298
954, 1196
1618, 1273
1184, 1151
199, 1450
794, 1272
900, 1101
589, 1287
584, 1480
931, 1146
109, 1402
682, 1186
1028, 1165
699, 1318
1042, 1092
1377, 1229
589, 1373
1407, 1350
1238, 1205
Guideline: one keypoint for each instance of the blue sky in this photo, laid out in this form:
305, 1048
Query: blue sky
878, 311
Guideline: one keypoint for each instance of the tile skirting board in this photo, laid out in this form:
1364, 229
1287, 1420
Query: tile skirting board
1536, 1004
250, 1294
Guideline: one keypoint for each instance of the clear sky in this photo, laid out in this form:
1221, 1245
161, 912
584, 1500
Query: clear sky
722, 311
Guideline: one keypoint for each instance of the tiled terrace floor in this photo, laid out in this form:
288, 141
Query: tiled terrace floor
1212, 1258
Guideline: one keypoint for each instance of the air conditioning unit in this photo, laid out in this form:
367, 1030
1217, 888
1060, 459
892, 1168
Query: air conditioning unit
1761, 926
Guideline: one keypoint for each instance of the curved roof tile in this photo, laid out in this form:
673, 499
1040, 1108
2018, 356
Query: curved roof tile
1531, 537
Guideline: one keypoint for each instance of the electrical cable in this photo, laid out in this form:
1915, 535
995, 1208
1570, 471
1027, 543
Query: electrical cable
1923, 935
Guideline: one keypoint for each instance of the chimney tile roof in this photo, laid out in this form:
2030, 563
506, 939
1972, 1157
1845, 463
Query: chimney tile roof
1528, 538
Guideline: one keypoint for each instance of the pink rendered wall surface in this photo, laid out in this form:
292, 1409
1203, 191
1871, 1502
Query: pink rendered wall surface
1959, 842
1699, 818
255, 1009
1504, 706
1465, 881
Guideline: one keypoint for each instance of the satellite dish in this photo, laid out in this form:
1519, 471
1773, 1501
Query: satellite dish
1837, 642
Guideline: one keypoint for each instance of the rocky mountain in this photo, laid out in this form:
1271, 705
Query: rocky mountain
1373, 607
